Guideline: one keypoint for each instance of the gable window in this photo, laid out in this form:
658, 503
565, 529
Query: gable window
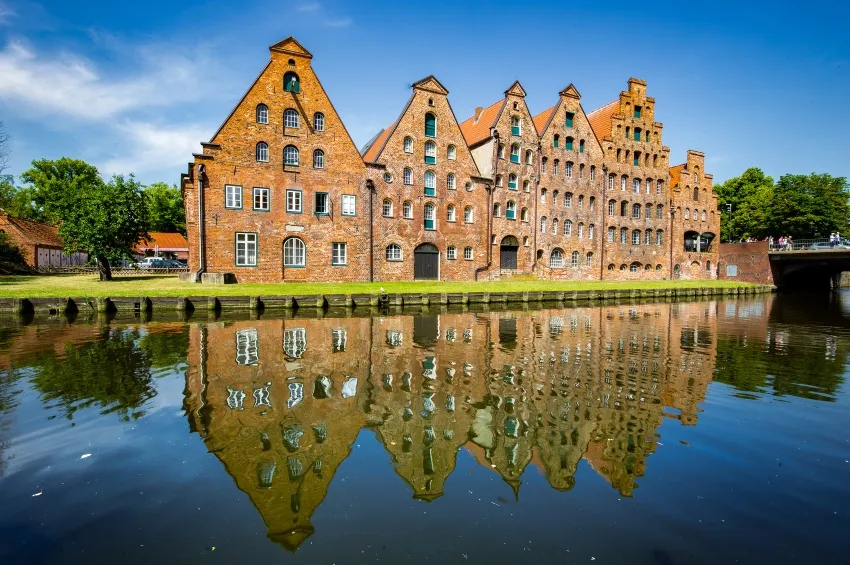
294, 253
430, 183
408, 145
467, 253
581, 201
514, 153
696, 193
512, 181
290, 156
592, 203
322, 205
451, 253
687, 214
543, 196
339, 253
659, 187
543, 224
293, 201
430, 222
407, 210
387, 208
581, 171
636, 161
291, 83
261, 199
516, 126
393, 252
468, 186
430, 152
451, 213
291, 119
262, 114
318, 159
569, 120
408, 176
318, 121
569, 144
262, 152
555, 226
555, 167
451, 182
467, 215
451, 153
543, 162
623, 180
581, 146
246, 249
232, 196
349, 205
611, 182
430, 125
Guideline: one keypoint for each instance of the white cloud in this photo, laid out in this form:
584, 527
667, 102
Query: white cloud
308, 7
150, 147
339, 22
6, 13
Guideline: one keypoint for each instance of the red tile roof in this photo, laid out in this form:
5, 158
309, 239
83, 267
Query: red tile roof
600, 119
37, 233
541, 119
476, 131
675, 173
372, 151
165, 242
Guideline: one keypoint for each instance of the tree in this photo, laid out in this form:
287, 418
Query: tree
806, 206
165, 205
54, 185
751, 197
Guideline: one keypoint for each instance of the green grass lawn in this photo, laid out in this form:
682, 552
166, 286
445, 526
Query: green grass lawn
81, 286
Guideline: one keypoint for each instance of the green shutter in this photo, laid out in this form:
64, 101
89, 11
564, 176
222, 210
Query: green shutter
637, 135
514, 130
637, 161
570, 116
430, 125
569, 145
556, 142
637, 111
581, 146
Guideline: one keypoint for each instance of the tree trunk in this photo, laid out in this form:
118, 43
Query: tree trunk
103, 268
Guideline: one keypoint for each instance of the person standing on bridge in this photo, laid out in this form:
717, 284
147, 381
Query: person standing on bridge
832, 240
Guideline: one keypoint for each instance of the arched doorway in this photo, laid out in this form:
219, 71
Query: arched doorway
426, 262
508, 252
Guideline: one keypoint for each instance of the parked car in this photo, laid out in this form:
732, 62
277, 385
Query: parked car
153, 263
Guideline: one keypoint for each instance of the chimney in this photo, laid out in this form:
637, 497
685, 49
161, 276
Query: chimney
478, 111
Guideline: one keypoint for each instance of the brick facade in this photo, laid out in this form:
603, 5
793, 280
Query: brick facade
595, 176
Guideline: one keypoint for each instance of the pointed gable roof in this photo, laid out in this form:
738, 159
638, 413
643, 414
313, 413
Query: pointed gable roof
516, 89
374, 149
291, 47
475, 131
541, 120
431, 84
600, 119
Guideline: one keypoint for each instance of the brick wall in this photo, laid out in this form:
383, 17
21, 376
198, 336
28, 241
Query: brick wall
751, 260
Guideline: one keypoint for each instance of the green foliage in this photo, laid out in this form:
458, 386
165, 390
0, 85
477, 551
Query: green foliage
9, 252
56, 186
802, 206
165, 205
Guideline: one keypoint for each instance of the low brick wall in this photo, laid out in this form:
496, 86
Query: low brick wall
745, 262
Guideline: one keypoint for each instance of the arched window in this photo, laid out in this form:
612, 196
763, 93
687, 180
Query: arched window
408, 145
624, 209
291, 119
543, 224
636, 186
262, 114
290, 156
516, 126
588, 259
612, 234
610, 266
430, 125
451, 213
294, 253
514, 153
543, 195
581, 171
556, 259
529, 157
657, 267
696, 193
499, 181
497, 209
526, 186
581, 146
703, 215
637, 134
407, 210
591, 229
408, 176
291, 83
430, 152
635, 210
430, 183
574, 259
510, 210
623, 181
512, 181
612, 207
523, 214
555, 167
568, 227
659, 237
568, 169
388, 208
318, 159
501, 151
393, 252
451, 153
659, 186
624, 235
592, 203
648, 208
568, 143
623, 267
555, 226
451, 182
635, 237
647, 237
467, 215
687, 214
568, 199
543, 163
262, 152
634, 267
318, 121
556, 140
593, 172
649, 186
611, 182
580, 230
659, 211
430, 217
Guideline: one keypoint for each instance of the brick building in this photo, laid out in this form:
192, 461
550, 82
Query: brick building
280, 192
40, 244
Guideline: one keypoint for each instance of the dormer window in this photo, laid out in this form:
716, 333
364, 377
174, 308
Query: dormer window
291, 83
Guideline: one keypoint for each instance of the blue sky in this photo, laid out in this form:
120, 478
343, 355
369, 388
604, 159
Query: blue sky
136, 87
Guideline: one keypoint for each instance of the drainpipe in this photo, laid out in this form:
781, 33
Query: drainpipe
536, 220
202, 171
604, 233
489, 212
370, 186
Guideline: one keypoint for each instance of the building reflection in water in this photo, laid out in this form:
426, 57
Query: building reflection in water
280, 402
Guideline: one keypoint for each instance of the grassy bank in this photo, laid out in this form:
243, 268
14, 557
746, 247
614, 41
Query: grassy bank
168, 285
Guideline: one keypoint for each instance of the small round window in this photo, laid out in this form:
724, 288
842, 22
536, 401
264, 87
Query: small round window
469, 187
388, 177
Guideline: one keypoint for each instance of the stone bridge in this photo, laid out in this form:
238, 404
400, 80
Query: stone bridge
811, 264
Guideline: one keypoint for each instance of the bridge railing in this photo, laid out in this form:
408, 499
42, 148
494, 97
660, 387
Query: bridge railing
818, 244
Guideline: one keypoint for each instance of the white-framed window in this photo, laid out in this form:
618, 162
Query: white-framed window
659, 211
516, 126
580, 232
293, 201
687, 213
294, 342
468, 215
451, 213
611, 182
555, 167
294, 253
624, 235
247, 347
593, 172
592, 203
430, 183
510, 210
262, 114
623, 181
659, 186
318, 159
262, 152
523, 215
636, 211
543, 224
568, 170
568, 199
349, 205
339, 338
612, 234
543, 196
467, 253
636, 186
388, 177
232, 196
318, 121
590, 231
451, 253
529, 157
407, 210
451, 181
647, 237
659, 237
430, 152
499, 181
290, 156
526, 186
393, 252
339, 253
388, 208
497, 210
408, 145
556, 259
581, 201
568, 227
612, 208
649, 186
261, 199
408, 176
581, 171
246, 249
574, 259
514, 153
291, 118
430, 217
634, 267
451, 153
635, 237
588, 260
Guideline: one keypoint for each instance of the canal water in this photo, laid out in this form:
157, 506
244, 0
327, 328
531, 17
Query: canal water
652, 433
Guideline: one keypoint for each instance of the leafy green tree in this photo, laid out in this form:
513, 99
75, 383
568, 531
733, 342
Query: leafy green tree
18, 201
751, 197
165, 205
806, 206
55, 185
